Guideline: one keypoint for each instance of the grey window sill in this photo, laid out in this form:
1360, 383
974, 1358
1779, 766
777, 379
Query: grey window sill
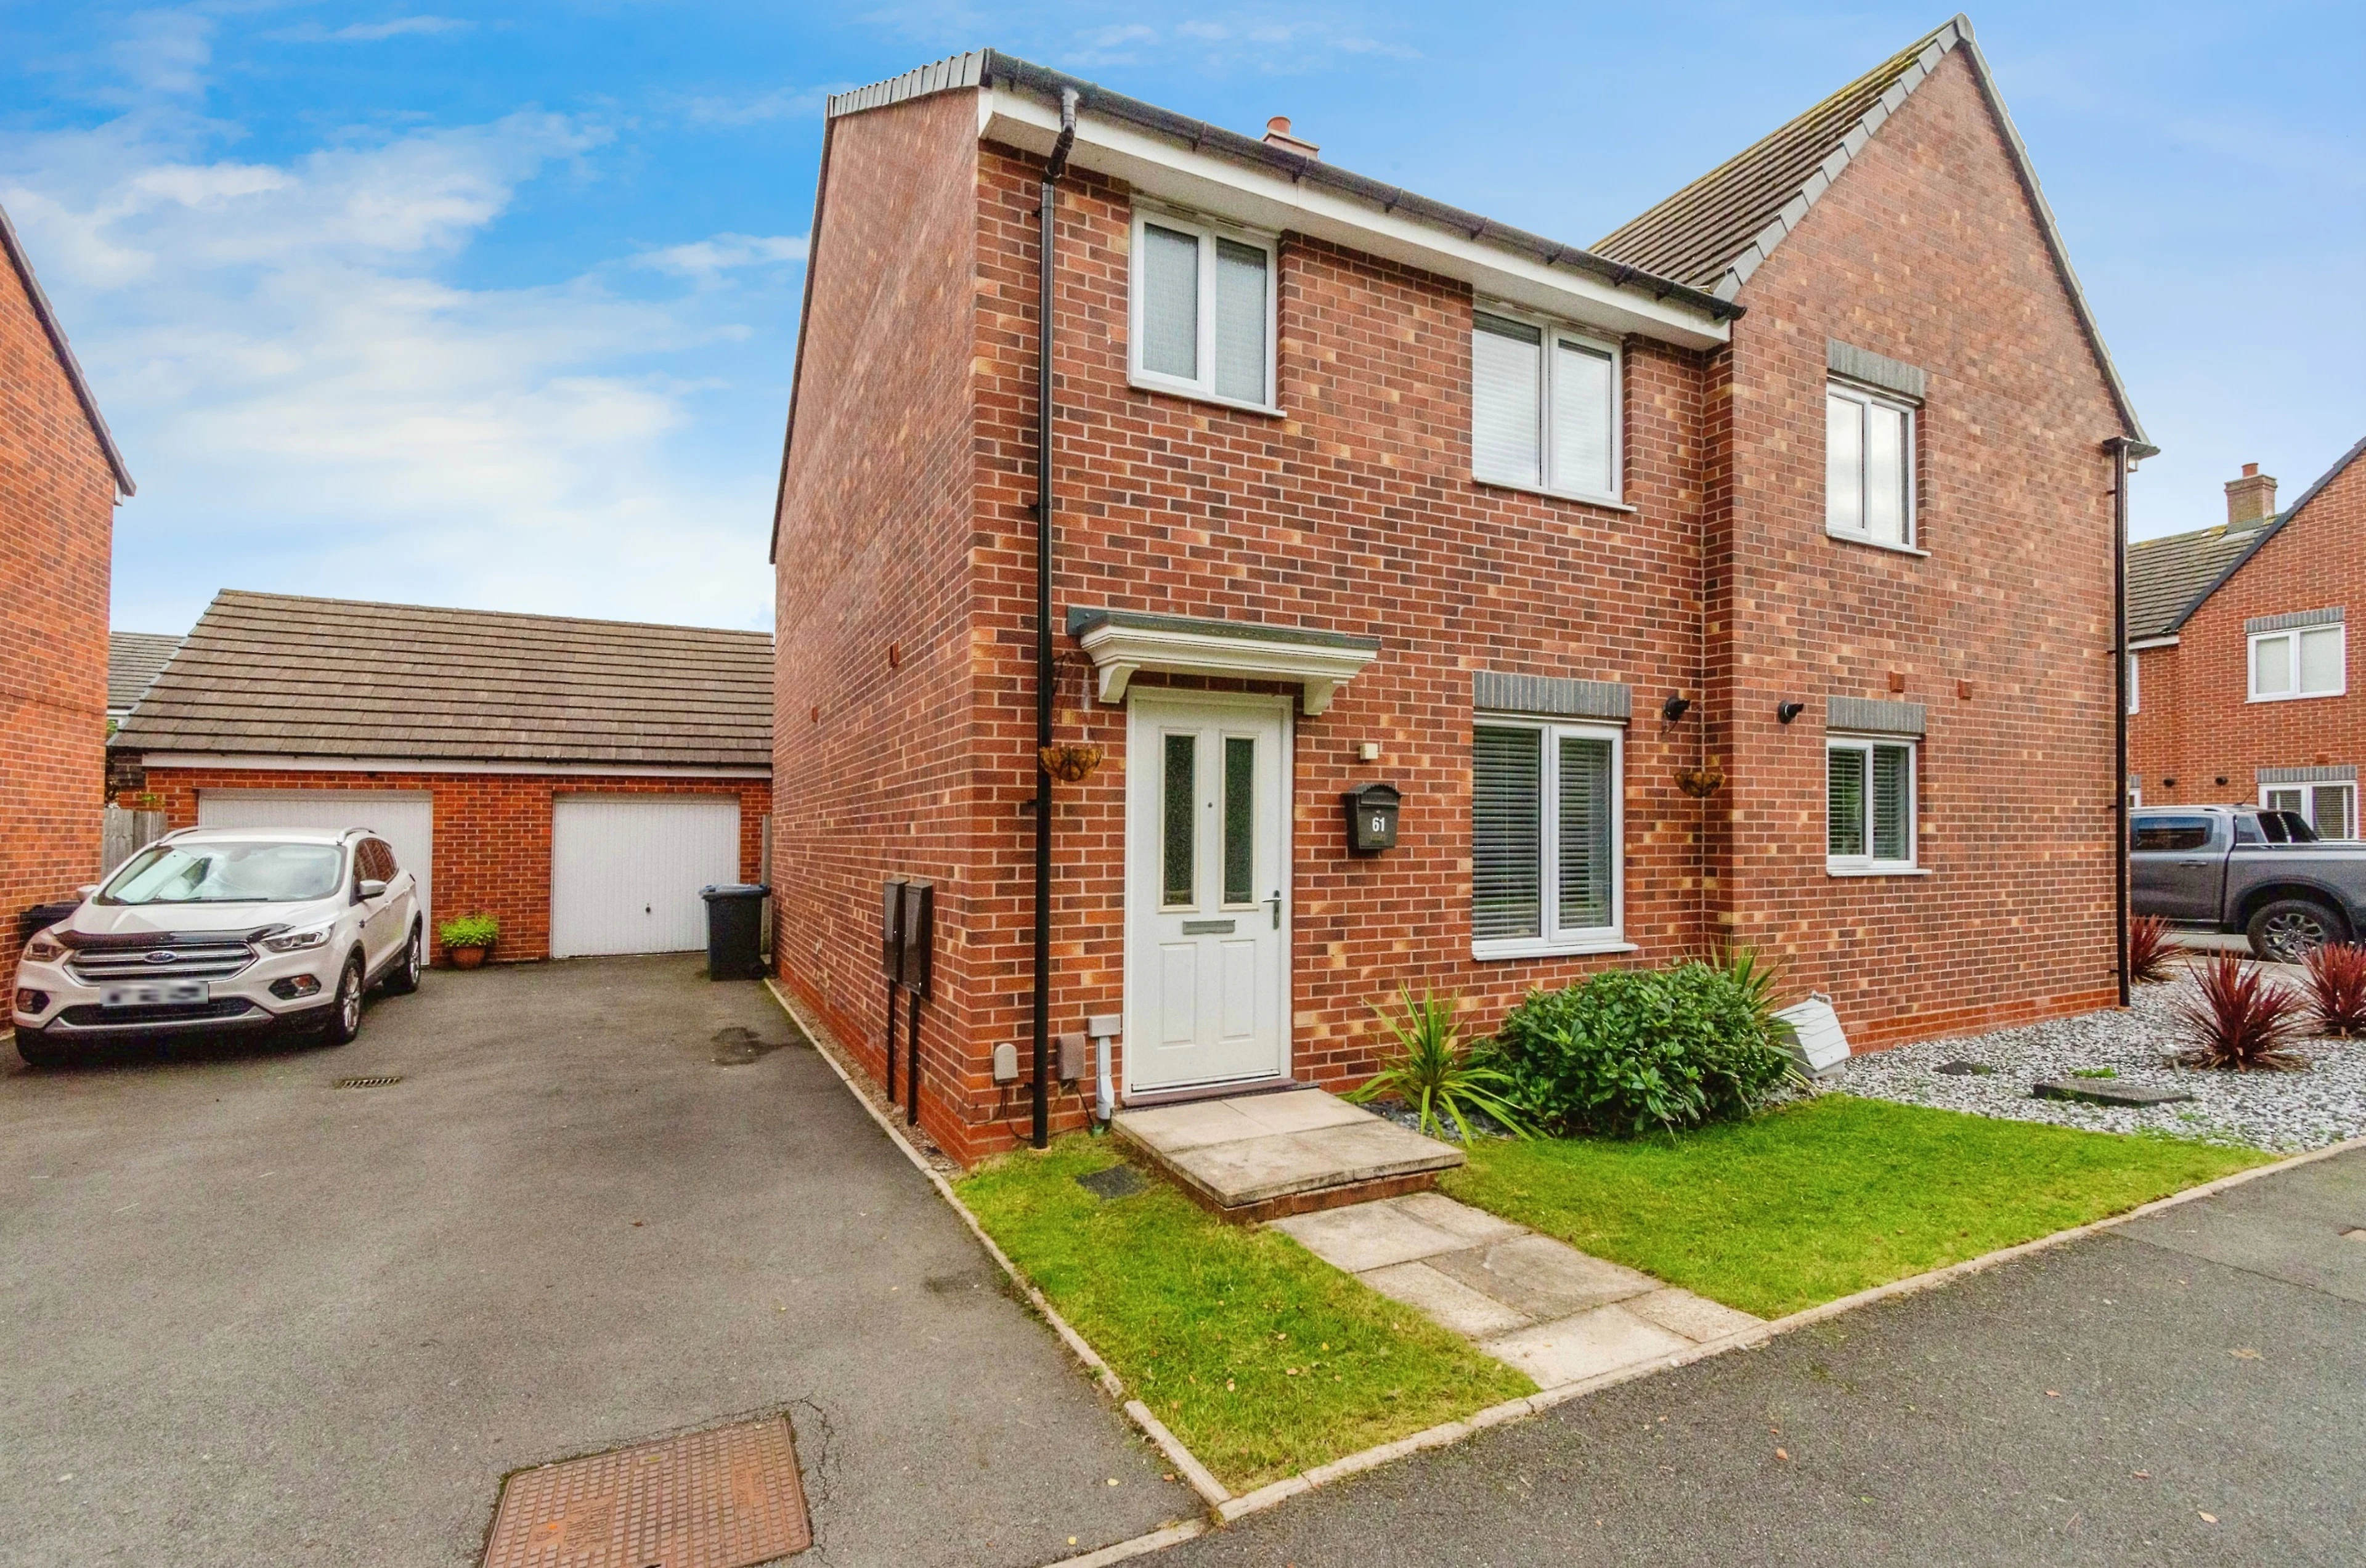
1873, 544
1832, 870
1496, 952
1606, 503
1271, 411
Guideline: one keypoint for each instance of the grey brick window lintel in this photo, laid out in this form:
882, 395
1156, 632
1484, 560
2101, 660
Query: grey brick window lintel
1871, 369
2259, 624
1549, 696
2347, 773
1873, 716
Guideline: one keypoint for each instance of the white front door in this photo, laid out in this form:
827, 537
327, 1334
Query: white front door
1207, 929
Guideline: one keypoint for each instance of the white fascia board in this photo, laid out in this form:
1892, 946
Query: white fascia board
1120, 651
261, 762
2138, 644
1255, 199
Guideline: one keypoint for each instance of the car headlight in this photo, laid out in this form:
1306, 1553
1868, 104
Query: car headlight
42, 950
297, 942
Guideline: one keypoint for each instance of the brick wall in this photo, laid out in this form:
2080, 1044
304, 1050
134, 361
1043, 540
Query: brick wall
57, 499
492, 831
873, 554
1926, 251
2196, 722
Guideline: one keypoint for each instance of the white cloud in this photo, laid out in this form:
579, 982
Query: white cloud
312, 405
165, 52
371, 32
708, 259
781, 103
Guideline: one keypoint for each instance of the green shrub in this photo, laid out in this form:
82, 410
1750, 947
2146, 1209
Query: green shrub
1433, 1074
1633, 1051
469, 931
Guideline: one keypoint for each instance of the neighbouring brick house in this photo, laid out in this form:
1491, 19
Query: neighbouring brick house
1797, 486
580, 780
59, 477
2239, 660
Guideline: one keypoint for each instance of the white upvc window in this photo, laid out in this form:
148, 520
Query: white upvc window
2136, 702
2330, 808
1548, 854
1544, 408
1202, 308
1868, 467
1868, 805
2304, 661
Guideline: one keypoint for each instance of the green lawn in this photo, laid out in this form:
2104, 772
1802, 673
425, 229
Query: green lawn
1262, 1359
1825, 1198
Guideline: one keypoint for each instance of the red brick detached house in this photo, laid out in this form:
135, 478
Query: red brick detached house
580, 780
1748, 576
60, 476
2239, 658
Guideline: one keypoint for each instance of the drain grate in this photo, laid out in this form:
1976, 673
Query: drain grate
728, 1498
380, 1080
1116, 1181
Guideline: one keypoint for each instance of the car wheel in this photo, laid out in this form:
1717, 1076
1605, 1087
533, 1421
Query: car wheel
345, 1013
2289, 929
40, 1051
404, 978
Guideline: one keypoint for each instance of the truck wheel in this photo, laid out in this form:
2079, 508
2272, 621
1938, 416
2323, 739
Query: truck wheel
2289, 929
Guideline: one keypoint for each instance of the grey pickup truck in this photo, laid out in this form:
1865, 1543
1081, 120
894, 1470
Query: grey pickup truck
2241, 868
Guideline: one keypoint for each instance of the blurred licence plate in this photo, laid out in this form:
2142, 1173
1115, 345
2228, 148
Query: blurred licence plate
155, 993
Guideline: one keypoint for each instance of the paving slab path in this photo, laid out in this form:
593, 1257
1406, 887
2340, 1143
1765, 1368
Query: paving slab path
251, 1318
2188, 1389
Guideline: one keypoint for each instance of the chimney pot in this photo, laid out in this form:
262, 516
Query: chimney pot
1277, 134
2250, 500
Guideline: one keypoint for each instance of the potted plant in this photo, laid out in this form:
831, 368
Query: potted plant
468, 938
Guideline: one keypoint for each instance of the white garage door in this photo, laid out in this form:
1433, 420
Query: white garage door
404, 818
625, 870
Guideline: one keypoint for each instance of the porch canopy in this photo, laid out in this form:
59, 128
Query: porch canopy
1122, 642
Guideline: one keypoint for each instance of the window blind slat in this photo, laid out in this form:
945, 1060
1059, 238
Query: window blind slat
1893, 777
1170, 303
1506, 833
1581, 400
1506, 401
1585, 842
1844, 802
1240, 321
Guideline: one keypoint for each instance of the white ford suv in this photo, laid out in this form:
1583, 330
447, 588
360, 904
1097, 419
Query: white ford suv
223, 929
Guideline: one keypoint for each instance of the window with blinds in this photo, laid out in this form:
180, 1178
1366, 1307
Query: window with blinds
1869, 805
1544, 407
1868, 467
2309, 661
1545, 851
1204, 311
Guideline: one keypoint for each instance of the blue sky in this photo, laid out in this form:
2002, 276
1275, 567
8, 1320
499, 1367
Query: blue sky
494, 304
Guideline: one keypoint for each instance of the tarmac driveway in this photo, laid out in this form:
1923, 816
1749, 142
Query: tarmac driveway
249, 1317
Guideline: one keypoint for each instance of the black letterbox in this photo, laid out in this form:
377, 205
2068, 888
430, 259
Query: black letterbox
1372, 818
920, 929
891, 929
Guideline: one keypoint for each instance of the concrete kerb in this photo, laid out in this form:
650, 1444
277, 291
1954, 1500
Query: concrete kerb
1227, 1508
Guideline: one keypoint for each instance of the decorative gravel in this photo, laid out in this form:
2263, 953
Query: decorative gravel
2281, 1111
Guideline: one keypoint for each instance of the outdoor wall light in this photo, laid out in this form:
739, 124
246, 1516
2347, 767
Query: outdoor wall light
1787, 712
2221, 781
1675, 707
2169, 784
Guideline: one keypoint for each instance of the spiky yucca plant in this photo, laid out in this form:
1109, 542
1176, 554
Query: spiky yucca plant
2149, 949
1434, 1074
2336, 988
2240, 1020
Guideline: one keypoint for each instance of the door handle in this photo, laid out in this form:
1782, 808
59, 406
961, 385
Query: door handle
1276, 902
2193, 863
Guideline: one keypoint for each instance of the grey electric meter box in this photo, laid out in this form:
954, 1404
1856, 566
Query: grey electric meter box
891, 929
1372, 818
920, 930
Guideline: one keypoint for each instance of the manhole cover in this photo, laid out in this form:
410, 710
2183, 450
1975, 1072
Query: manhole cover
1966, 1069
729, 1498
1116, 1181
380, 1081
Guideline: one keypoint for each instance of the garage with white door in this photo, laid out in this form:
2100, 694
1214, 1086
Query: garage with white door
404, 818
625, 870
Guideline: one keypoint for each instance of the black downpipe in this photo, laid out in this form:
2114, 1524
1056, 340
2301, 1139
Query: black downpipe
912, 1077
2119, 445
1046, 669
891, 1039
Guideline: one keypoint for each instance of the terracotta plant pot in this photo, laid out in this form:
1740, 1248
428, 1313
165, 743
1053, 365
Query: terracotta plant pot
467, 957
